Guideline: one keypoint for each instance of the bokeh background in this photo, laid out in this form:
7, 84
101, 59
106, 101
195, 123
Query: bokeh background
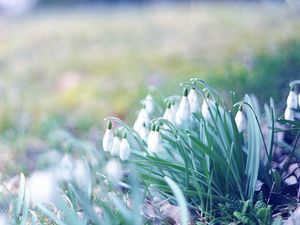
68, 64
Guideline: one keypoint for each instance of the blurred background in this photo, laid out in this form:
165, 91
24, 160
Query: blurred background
67, 64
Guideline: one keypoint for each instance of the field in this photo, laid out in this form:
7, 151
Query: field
67, 69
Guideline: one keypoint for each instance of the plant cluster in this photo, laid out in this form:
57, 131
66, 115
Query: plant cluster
192, 159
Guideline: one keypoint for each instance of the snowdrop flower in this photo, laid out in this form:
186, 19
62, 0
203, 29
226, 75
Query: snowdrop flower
240, 120
173, 108
3, 220
154, 140
289, 114
149, 104
65, 168
292, 101
142, 118
114, 170
169, 115
124, 148
205, 108
42, 187
81, 174
194, 101
116, 146
183, 113
108, 138
144, 132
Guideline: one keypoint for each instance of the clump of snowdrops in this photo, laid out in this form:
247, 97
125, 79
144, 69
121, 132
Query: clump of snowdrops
207, 158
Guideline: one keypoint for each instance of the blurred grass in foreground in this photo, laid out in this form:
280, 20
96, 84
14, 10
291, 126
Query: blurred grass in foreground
70, 69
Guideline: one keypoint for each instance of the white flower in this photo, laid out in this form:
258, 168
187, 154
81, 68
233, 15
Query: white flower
183, 113
289, 114
205, 110
65, 168
169, 115
42, 187
116, 146
194, 101
299, 99
149, 104
240, 120
154, 140
108, 138
81, 174
292, 101
124, 148
114, 170
3, 220
142, 118
144, 132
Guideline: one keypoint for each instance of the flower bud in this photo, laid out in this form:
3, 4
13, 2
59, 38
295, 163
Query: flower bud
114, 170
154, 140
240, 120
124, 148
183, 113
116, 146
142, 118
149, 104
144, 132
168, 115
292, 101
194, 101
108, 137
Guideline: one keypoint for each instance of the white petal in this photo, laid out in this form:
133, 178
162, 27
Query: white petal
114, 170
42, 187
124, 149
289, 114
116, 146
149, 104
205, 110
107, 140
299, 99
183, 113
142, 118
292, 101
144, 132
240, 121
154, 143
168, 115
81, 174
194, 101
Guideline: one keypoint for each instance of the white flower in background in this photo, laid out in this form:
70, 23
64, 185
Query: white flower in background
65, 168
240, 120
194, 101
42, 187
289, 114
116, 146
183, 113
3, 220
114, 170
81, 174
144, 132
154, 140
124, 148
108, 137
174, 109
169, 115
205, 107
142, 118
149, 104
292, 99
299, 99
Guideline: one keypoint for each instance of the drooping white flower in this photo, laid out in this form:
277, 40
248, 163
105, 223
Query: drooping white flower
144, 132
114, 170
205, 110
108, 137
116, 146
142, 118
3, 219
194, 101
292, 99
42, 187
183, 113
154, 140
124, 148
149, 104
169, 115
81, 174
65, 168
289, 114
240, 120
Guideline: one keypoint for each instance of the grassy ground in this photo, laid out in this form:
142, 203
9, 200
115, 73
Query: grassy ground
71, 68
